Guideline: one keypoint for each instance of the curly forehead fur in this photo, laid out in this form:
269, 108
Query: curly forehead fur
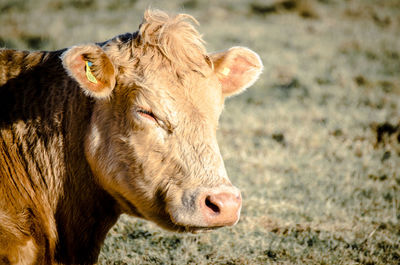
162, 42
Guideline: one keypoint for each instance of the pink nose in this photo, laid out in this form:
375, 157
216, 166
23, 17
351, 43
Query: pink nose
221, 209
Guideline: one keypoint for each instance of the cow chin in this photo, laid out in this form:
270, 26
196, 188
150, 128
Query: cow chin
171, 225
179, 223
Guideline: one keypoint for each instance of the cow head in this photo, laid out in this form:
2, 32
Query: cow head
152, 142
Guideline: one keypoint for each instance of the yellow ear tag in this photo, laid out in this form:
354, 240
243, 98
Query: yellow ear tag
226, 71
89, 74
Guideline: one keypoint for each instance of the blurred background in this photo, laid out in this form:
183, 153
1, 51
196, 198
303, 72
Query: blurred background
314, 145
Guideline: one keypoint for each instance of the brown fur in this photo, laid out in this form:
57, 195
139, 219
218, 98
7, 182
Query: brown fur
75, 155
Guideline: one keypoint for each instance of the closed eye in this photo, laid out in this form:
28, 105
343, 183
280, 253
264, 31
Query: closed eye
150, 116
147, 114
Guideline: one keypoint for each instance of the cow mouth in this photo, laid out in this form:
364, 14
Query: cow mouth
180, 228
171, 224
196, 229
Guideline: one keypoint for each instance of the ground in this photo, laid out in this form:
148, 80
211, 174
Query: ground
314, 145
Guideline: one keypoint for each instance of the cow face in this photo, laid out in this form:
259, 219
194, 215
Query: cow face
152, 142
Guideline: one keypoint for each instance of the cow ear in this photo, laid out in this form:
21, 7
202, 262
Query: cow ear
90, 66
237, 69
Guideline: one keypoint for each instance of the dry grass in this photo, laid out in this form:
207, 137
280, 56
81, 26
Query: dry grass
314, 145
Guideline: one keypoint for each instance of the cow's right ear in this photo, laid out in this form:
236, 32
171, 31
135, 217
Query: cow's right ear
90, 66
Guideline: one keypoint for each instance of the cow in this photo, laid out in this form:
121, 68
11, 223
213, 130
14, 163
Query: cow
124, 126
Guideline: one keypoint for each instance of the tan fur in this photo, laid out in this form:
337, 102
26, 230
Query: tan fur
76, 154
15, 244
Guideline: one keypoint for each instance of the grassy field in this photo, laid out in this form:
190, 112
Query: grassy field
314, 145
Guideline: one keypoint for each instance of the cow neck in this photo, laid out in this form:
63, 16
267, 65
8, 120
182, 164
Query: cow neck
85, 212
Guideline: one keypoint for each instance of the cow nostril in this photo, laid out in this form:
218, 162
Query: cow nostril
212, 206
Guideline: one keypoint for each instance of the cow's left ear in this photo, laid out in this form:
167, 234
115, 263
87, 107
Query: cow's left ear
237, 69
90, 66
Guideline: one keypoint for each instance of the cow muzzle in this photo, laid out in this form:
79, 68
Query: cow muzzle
208, 208
221, 208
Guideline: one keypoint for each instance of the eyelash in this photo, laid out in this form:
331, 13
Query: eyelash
147, 114
150, 115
